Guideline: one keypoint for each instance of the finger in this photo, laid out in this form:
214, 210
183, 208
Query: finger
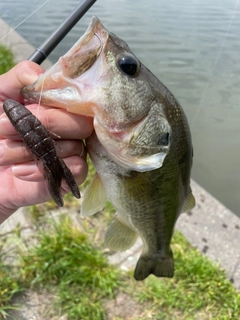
13, 81
65, 124
15, 152
25, 193
60, 122
79, 169
32, 172
66, 148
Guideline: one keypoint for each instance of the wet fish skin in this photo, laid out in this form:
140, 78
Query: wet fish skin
141, 148
101, 91
147, 203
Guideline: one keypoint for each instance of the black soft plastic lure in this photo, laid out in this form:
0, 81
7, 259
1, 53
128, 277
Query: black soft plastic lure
37, 139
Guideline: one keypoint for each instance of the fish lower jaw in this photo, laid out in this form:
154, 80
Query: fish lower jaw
31, 95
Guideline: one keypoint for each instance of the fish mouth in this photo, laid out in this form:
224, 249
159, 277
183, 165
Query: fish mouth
79, 82
65, 84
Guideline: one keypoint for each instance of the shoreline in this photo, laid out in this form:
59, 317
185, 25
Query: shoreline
19, 46
210, 227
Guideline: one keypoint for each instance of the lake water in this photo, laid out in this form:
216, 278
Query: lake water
193, 46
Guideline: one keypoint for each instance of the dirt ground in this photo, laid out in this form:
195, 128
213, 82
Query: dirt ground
37, 306
33, 305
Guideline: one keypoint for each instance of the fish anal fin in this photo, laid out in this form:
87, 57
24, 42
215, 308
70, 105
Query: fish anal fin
158, 265
119, 237
190, 203
94, 197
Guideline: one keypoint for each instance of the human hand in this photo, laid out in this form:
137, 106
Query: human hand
22, 180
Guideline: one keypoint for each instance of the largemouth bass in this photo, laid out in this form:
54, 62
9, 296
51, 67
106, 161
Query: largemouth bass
141, 148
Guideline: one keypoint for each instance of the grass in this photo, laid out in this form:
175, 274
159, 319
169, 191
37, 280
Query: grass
6, 59
199, 289
9, 285
64, 258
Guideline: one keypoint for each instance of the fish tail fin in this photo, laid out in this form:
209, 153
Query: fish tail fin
119, 237
159, 266
67, 174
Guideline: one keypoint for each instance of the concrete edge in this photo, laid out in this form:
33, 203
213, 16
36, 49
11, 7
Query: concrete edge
19, 46
210, 226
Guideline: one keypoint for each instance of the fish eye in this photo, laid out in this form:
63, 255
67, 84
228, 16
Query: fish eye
128, 64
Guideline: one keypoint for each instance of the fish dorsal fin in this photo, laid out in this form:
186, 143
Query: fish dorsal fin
190, 202
94, 197
119, 237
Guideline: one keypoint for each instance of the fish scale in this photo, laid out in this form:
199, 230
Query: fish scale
141, 148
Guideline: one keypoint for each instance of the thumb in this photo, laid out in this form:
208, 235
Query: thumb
14, 80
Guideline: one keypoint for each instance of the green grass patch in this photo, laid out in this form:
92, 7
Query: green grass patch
66, 263
65, 259
9, 284
6, 59
199, 289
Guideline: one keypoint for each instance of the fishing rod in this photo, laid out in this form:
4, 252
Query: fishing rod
41, 53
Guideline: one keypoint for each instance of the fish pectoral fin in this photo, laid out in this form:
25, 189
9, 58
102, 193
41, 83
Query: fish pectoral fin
119, 237
190, 203
159, 266
94, 197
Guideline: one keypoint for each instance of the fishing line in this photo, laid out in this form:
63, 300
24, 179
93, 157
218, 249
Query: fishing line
24, 20
38, 110
205, 90
41, 91
40, 96
100, 44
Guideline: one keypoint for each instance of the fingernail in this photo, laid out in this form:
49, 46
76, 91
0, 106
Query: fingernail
4, 122
23, 170
82, 151
31, 76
